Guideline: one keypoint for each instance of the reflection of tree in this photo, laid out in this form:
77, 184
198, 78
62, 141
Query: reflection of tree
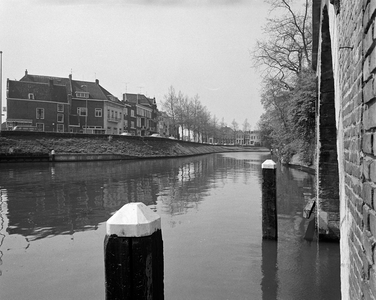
188, 187
195, 179
46, 199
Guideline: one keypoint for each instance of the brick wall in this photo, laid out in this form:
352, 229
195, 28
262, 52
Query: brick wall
363, 116
356, 61
352, 43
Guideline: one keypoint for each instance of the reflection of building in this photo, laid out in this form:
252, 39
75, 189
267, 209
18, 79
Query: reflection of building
73, 198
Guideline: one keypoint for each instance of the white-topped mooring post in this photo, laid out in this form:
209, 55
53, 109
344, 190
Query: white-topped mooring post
269, 200
133, 249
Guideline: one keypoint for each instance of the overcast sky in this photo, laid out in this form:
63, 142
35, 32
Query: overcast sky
141, 46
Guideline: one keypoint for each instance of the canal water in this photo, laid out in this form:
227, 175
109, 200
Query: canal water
52, 227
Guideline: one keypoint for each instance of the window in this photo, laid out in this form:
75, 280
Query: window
60, 118
132, 124
82, 94
82, 111
98, 112
31, 96
132, 113
40, 113
108, 113
60, 127
112, 114
116, 114
60, 107
40, 126
126, 111
138, 122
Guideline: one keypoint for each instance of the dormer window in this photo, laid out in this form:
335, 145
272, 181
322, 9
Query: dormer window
82, 95
31, 96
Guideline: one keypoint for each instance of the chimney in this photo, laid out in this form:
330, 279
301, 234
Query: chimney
26, 72
70, 76
97, 81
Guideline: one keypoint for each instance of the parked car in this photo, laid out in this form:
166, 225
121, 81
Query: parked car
25, 128
156, 135
126, 133
172, 138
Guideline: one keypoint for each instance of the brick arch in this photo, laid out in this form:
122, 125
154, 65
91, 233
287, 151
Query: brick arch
327, 162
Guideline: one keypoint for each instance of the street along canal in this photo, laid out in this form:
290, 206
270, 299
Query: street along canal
52, 227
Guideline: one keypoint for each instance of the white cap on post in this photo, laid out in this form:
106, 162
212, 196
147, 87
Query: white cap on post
269, 164
133, 220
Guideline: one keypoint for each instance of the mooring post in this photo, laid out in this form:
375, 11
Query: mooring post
133, 250
269, 200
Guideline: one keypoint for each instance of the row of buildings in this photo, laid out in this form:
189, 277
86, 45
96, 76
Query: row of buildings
57, 104
62, 104
228, 136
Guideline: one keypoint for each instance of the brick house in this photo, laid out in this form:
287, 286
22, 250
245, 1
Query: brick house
40, 105
88, 107
344, 52
143, 114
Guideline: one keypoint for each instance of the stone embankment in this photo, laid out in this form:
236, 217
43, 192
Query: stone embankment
67, 146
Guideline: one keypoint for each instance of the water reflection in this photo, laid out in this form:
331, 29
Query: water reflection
293, 267
269, 268
54, 199
211, 220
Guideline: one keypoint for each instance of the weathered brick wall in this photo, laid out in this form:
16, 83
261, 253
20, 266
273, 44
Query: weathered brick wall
366, 109
353, 41
357, 63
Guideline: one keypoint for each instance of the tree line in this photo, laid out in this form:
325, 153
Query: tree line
289, 83
194, 119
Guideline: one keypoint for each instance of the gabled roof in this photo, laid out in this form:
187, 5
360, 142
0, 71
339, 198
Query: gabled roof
46, 79
41, 91
95, 90
139, 99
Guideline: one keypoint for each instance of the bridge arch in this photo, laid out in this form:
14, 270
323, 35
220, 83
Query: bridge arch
327, 177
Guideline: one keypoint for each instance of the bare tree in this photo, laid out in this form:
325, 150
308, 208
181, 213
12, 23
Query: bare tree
287, 51
170, 105
285, 59
246, 125
234, 127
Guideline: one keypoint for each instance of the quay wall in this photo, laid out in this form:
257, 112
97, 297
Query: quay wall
82, 147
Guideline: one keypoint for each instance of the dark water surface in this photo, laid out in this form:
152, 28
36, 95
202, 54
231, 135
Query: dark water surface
52, 227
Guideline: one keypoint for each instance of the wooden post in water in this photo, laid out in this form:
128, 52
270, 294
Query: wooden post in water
133, 249
269, 200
